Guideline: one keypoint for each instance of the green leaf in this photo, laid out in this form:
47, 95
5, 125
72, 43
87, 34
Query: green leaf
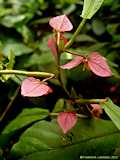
9, 65
59, 105
26, 117
90, 7
5, 11
98, 27
78, 73
11, 20
69, 9
1, 154
26, 33
85, 38
39, 59
45, 141
11, 62
112, 28
113, 111
17, 48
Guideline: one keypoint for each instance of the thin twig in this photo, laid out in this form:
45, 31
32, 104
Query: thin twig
71, 41
78, 115
73, 53
10, 104
90, 101
27, 73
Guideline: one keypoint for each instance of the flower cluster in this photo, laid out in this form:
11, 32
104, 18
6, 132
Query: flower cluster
95, 62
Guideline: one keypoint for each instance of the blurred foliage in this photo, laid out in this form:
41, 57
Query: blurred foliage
24, 31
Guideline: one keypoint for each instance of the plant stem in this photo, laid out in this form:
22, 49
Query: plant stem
73, 53
90, 101
70, 42
10, 104
27, 73
60, 72
60, 79
78, 115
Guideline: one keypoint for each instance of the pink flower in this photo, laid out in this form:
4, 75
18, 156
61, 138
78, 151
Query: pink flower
95, 62
66, 120
61, 23
32, 87
98, 65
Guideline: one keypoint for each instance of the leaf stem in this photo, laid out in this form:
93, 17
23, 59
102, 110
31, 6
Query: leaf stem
90, 101
73, 53
70, 42
10, 104
78, 115
60, 78
27, 73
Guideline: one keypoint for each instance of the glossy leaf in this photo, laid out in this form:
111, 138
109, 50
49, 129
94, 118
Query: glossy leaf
61, 23
11, 20
45, 141
26, 117
32, 87
74, 63
113, 111
90, 7
66, 120
98, 65
17, 47
59, 105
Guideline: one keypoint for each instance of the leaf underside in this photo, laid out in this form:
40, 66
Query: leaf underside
90, 7
113, 112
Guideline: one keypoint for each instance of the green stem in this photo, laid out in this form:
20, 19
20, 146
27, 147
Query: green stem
90, 101
70, 42
27, 73
60, 72
61, 81
78, 115
10, 104
73, 53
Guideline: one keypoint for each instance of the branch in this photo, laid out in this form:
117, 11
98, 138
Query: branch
70, 42
90, 101
78, 115
27, 73
9, 104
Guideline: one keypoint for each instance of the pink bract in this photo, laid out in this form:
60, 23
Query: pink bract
97, 110
52, 46
66, 120
74, 63
61, 23
98, 65
32, 87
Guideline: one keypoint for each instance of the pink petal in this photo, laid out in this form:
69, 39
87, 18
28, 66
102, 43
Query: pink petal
32, 87
52, 46
74, 63
98, 65
66, 120
61, 23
